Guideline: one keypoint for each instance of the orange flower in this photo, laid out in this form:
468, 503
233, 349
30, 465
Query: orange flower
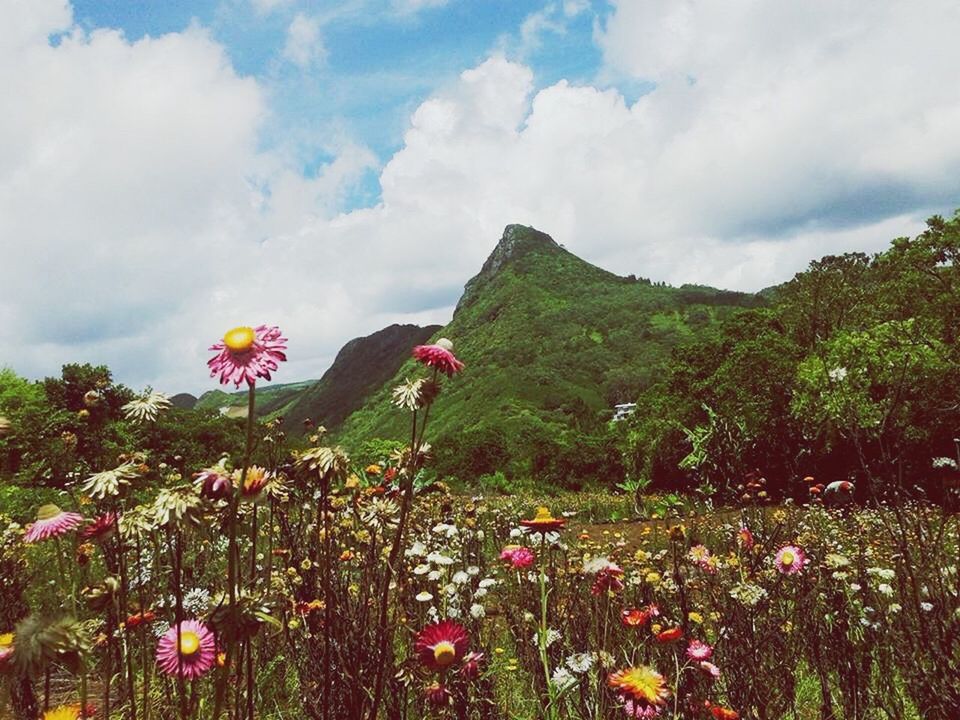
373, 469
721, 713
641, 683
543, 521
669, 635
140, 618
346, 556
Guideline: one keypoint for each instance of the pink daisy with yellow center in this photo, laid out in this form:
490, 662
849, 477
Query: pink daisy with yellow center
246, 354
439, 356
698, 650
790, 559
441, 644
198, 650
52, 522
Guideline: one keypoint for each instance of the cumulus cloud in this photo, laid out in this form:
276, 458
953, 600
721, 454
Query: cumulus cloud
304, 46
142, 218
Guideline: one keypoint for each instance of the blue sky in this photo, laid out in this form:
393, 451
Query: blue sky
379, 62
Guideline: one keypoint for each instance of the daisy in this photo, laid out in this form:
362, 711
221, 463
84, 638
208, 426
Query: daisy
698, 650
52, 522
147, 407
518, 557
711, 669
790, 560
101, 528
745, 538
543, 522
198, 650
641, 684
669, 635
246, 354
254, 482
441, 644
439, 356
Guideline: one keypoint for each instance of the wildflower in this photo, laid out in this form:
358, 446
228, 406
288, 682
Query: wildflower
711, 669
254, 481
109, 482
790, 560
580, 662
6, 650
745, 538
640, 711
214, 483
373, 470
669, 635
409, 394
471, 665
436, 694
441, 644
698, 650
543, 522
747, 593
246, 354
518, 557
197, 650
439, 356
477, 611
144, 616
69, 712
52, 522
424, 597
608, 580
641, 684
926, 607
101, 528
147, 407
562, 679
635, 617
721, 713
695, 617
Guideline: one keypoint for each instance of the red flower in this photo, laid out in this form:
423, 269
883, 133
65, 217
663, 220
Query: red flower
439, 357
635, 617
669, 635
608, 580
721, 713
436, 694
140, 618
471, 665
441, 644
100, 529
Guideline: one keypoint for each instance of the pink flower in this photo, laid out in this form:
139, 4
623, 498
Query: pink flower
198, 650
608, 580
436, 694
697, 650
745, 538
518, 557
710, 669
643, 711
214, 484
790, 559
100, 529
52, 522
439, 356
471, 665
246, 354
441, 644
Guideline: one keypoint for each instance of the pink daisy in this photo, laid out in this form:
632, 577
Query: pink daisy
52, 522
698, 650
441, 644
635, 709
101, 528
439, 356
711, 669
790, 559
198, 650
518, 557
246, 354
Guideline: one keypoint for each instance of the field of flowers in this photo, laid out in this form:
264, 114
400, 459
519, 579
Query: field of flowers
309, 586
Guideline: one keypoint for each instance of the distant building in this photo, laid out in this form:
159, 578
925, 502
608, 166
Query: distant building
623, 410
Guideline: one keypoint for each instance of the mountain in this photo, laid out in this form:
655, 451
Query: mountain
361, 367
270, 399
184, 401
550, 343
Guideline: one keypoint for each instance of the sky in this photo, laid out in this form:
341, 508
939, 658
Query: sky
171, 169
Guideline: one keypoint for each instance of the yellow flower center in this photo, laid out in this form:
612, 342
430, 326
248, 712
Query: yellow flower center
787, 558
189, 643
240, 339
46, 512
543, 514
444, 653
6, 639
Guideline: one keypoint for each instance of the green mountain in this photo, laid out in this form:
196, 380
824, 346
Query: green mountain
550, 343
270, 399
361, 367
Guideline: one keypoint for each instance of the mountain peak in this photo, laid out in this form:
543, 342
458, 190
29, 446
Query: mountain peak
517, 241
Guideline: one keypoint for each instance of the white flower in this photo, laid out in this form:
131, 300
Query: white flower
479, 593
438, 559
480, 535
941, 462
424, 597
487, 583
147, 407
418, 549
516, 532
450, 589
926, 607
894, 608
562, 679
445, 529
477, 611
453, 611
580, 662
421, 569
434, 575
460, 577
885, 589
473, 570
108, 482
838, 374
855, 587
551, 637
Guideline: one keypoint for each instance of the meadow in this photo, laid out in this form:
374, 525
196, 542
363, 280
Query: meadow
307, 584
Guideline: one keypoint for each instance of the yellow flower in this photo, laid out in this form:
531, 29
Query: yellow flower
6, 639
305, 564
695, 617
652, 577
640, 683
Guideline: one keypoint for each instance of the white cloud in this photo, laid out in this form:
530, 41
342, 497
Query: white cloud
141, 219
304, 46
409, 7
265, 7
